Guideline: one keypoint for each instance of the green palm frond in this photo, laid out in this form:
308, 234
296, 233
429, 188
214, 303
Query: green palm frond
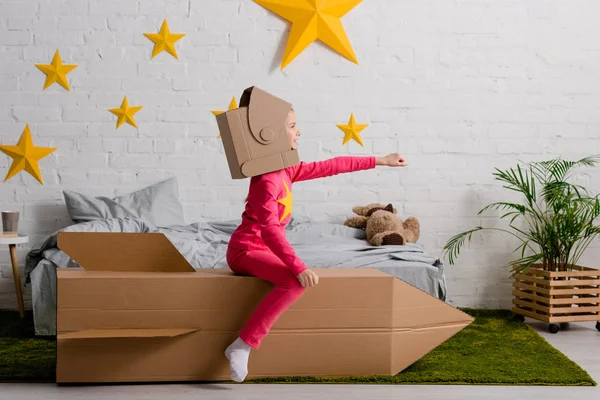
590, 161
453, 246
558, 169
521, 209
519, 181
523, 264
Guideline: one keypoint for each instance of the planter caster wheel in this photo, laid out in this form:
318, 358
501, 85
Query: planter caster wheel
598, 325
521, 318
553, 328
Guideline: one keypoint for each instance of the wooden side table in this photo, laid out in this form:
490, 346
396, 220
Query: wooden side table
12, 241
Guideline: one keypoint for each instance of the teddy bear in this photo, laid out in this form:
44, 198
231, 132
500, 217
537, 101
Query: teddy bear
382, 225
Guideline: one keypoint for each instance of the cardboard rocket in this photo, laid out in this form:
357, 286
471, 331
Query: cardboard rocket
136, 312
254, 135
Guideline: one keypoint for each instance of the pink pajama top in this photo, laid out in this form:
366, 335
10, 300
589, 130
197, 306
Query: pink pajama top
269, 206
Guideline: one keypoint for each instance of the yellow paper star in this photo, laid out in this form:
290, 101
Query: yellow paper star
313, 20
125, 113
165, 40
26, 156
352, 130
56, 72
286, 201
232, 106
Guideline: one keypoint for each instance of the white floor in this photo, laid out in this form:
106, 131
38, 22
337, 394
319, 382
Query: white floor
580, 342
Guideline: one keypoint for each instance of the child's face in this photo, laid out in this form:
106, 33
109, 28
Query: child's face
292, 132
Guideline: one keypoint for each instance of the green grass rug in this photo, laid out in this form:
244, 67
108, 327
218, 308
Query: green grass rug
496, 349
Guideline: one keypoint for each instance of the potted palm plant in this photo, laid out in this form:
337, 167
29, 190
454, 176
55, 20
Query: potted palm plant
554, 225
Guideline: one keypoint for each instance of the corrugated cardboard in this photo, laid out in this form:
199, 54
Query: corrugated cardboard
254, 135
101, 251
174, 326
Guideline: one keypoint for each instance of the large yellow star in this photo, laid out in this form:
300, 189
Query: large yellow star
313, 20
232, 106
125, 113
56, 72
352, 130
286, 201
26, 156
164, 40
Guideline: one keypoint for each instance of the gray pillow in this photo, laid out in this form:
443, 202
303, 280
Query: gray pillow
158, 204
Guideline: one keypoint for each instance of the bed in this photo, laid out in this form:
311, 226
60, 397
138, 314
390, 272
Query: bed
204, 244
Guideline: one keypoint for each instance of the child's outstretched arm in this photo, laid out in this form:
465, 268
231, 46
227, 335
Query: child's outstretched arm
338, 165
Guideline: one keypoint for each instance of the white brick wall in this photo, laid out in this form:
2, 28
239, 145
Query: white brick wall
458, 87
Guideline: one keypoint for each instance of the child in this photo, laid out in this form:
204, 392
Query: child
259, 247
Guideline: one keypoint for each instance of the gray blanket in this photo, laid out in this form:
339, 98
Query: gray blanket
204, 244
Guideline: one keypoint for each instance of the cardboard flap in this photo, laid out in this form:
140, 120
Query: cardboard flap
266, 114
124, 333
108, 251
275, 162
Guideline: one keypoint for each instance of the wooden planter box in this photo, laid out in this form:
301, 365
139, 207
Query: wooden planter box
558, 297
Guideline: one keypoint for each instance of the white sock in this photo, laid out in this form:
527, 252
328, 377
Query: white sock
237, 353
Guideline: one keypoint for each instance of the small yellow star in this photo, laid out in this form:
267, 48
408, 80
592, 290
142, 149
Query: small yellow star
125, 113
232, 106
165, 40
352, 130
313, 20
26, 156
56, 72
287, 202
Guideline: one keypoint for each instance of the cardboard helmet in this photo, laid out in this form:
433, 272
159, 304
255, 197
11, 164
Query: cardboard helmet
254, 135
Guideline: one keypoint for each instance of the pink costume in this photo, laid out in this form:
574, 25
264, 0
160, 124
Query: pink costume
259, 247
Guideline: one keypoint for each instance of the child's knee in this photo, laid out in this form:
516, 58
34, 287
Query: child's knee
293, 284
298, 289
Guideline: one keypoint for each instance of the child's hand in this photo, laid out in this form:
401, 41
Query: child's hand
392, 160
308, 278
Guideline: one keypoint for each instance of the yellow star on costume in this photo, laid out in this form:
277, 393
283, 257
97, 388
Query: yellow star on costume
352, 130
165, 40
286, 201
26, 156
125, 113
56, 72
232, 106
312, 20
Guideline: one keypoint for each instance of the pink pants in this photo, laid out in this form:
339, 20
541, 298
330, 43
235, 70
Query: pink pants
267, 266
